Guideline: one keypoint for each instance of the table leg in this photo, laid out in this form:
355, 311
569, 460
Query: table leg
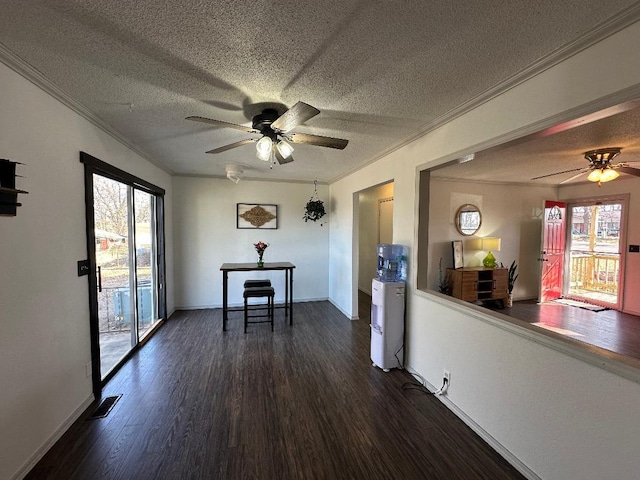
224, 300
291, 297
286, 292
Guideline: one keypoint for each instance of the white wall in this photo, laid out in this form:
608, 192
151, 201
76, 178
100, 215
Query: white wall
553, 415
44, 305
518, 222
206, 237
368, 232
632, 266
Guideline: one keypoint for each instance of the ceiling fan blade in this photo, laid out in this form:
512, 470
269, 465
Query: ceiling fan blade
629, 170
299, 113
232, 145
220, 123
282, 160
572, 178
319, 141
560, 173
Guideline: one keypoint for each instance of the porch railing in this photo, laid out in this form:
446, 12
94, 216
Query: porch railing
595, 272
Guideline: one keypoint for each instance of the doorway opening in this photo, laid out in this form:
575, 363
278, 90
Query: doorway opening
595, 256
375, 225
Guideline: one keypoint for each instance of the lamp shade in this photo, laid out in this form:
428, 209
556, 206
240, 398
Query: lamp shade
608, 175
594, 176
263, 148
284, 148
491, 244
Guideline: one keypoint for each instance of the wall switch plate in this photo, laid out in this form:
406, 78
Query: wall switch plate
83, 267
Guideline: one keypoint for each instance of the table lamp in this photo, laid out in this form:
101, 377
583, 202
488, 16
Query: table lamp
490, 244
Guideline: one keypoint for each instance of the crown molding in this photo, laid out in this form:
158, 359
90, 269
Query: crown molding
26, 70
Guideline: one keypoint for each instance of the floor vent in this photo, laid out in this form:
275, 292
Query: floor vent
105, 407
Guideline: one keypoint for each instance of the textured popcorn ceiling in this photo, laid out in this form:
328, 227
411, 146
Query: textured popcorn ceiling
381, 72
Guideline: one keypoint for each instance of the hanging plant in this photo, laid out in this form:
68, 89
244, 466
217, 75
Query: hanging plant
314, 209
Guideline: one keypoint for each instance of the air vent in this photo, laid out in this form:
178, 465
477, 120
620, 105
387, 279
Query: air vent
105, 407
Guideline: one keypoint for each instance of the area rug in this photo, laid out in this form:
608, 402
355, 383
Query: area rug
575, 303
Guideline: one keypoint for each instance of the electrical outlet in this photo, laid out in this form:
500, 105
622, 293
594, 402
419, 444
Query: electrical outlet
88, 369
447, 376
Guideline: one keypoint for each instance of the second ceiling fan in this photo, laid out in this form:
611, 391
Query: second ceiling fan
600, 167
275, 142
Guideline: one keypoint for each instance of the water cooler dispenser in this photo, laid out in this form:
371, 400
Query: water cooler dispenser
387, 308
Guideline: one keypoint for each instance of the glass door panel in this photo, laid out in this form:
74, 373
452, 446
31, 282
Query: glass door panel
146, 266
595, 253
113, 249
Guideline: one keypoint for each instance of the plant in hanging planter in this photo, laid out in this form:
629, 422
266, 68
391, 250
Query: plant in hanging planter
314, 209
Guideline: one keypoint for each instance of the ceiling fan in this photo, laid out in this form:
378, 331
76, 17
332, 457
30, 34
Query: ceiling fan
276, 133
600, 167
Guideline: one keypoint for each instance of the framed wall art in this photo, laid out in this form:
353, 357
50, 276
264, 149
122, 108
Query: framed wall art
457, 254
257, 215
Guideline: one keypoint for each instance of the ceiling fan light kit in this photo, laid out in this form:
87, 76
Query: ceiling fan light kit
274, 144
600, 164
604, 175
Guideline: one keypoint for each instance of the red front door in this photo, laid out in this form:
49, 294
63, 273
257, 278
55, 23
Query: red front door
552, 254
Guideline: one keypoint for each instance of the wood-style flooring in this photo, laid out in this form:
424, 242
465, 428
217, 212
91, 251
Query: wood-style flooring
302, 402
609, 329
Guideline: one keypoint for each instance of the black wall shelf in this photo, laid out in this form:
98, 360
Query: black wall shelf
8, 191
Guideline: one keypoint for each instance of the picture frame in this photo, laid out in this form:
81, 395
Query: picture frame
263, 216
458, 260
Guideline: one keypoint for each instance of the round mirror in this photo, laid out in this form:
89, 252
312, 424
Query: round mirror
468, 219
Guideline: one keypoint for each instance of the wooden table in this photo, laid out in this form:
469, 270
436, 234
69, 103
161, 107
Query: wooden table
251, 267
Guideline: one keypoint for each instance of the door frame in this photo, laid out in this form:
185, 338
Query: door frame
623, 199
93, 166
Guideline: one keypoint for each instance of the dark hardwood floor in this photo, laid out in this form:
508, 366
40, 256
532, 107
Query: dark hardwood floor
609, 329
302, 402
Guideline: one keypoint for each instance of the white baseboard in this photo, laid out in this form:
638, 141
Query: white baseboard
240, 305
350, 317
486, 436
46, 446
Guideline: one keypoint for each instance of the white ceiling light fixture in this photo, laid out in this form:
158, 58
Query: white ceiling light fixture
234, 172
284, 148
264, 148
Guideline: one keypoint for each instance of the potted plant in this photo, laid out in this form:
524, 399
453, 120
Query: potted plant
443, 285
512, 276
314, 210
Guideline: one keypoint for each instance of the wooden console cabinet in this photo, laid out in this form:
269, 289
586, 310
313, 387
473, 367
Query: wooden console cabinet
473, 284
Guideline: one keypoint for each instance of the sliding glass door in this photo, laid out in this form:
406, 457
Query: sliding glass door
145, 268
116, 278
125, 229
